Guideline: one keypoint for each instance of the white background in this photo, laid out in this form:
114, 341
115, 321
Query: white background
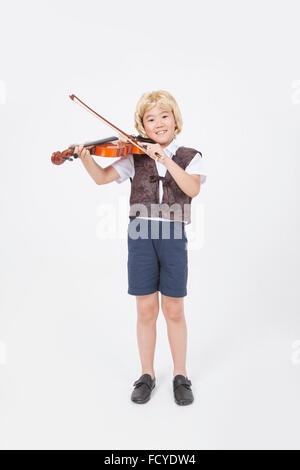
68, 346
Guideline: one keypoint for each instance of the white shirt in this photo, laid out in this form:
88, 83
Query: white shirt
125, 168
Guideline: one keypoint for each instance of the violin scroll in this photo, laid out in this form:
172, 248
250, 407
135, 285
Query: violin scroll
58, 158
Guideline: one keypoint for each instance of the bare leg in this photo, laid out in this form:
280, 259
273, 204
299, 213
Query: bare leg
173, 310
147, 313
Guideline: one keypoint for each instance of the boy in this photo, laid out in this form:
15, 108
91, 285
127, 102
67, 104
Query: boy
163, 182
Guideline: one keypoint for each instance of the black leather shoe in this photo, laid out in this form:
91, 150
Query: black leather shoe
143, 388
183, 394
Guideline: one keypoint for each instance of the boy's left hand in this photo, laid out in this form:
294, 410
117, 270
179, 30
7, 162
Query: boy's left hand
152, 149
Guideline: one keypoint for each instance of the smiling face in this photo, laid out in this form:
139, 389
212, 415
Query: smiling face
160, 125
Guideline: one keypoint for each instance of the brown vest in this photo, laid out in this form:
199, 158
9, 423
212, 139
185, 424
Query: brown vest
144, 197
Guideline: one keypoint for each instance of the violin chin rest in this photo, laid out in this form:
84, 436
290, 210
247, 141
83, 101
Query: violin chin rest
143, 139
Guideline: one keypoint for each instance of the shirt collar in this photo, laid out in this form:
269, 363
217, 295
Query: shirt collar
171, 148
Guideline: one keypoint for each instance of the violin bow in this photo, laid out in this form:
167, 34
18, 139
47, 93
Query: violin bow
87, 108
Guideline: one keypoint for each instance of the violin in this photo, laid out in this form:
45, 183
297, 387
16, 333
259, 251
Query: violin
109, 147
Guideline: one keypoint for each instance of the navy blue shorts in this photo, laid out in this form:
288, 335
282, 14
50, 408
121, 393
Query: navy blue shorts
157, 257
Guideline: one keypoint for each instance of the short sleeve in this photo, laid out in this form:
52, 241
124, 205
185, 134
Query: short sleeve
198, 166
125, 168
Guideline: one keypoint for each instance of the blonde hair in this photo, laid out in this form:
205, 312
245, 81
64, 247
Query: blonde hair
162, 99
